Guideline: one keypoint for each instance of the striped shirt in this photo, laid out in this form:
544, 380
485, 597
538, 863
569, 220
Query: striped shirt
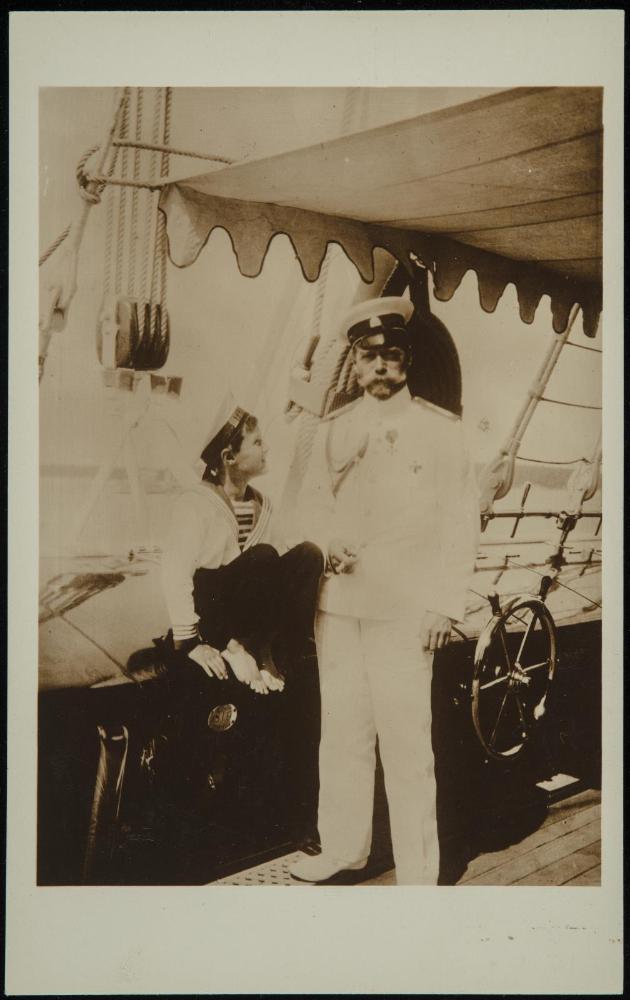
244, 512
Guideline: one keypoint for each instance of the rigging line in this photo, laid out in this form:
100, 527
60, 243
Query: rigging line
122, 201
90, 639
551, 461
62, 236
158, 129
121, 182
565, 402
559, 582
484, 599
110, 197
147, 201
53, 246
582, 347
164, 170
135, 195
170, 151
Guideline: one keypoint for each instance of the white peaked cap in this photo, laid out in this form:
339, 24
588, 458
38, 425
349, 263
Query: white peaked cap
371, 312
226, 410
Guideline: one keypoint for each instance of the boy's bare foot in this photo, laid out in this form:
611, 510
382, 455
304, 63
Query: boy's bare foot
269, 671
244, 667
273, 682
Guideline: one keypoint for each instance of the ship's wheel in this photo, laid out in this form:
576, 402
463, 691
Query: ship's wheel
515, 663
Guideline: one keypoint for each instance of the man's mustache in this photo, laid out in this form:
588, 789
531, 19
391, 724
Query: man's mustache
383, 380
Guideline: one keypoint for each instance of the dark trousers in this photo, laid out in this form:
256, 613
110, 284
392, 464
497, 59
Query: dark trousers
261, 599
264, 599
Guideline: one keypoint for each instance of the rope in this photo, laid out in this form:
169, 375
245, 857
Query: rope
53, 246
164, 167
83, 179
146, 240
157, 127
484, 598
559, 582
109, 244
582, 347
122, 202
109, 227
544, 461
564, 402
328, 368
327, 374
135, 194
122, 183
170, 151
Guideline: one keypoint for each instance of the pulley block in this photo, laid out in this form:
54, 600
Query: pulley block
132, 334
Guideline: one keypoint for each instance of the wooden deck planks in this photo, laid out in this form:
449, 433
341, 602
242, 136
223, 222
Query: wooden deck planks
562, 871
555, 826
592, 877
519, 866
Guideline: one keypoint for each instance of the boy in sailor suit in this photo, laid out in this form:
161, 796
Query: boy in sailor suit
228, 591
390, 500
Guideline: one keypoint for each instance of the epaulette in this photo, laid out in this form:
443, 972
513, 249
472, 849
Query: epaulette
342, 409
435, 409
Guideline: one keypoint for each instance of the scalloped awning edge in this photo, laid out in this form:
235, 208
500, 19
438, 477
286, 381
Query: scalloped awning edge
192, 216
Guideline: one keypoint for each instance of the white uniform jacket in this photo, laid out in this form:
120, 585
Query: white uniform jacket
204, 533
392, 477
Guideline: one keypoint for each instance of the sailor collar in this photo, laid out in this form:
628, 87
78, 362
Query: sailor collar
221, 503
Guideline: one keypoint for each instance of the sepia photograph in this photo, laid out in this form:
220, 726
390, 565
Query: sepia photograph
333, 486
321, 510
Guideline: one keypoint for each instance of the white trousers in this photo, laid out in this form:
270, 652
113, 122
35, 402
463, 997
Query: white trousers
375, 680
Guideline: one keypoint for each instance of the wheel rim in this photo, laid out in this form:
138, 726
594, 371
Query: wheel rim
514, 667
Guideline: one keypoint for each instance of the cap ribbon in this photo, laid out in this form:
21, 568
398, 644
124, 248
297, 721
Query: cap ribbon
390, 323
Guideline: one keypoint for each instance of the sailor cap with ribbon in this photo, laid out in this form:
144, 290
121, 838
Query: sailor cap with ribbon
383, 321
226, 421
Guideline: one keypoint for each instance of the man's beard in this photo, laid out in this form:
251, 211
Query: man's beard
383, 387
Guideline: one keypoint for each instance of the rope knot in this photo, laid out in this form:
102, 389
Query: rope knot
94, 196
89, 189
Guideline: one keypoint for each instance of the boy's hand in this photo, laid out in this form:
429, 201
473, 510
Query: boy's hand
210, 660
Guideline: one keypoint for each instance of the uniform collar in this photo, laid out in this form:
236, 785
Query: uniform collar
250, 492
377, 409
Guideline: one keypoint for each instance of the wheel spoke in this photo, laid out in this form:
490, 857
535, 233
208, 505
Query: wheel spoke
521, 713
498, 680
496, 725
526, 636
535, 666
505, 651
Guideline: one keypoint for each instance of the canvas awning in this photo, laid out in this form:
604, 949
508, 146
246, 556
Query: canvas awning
509, 185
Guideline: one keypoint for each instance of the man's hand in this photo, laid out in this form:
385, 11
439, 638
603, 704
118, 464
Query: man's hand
435, 631
210, 659
342, 556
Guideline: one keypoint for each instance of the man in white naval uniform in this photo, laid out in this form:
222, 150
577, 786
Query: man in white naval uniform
390, 498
